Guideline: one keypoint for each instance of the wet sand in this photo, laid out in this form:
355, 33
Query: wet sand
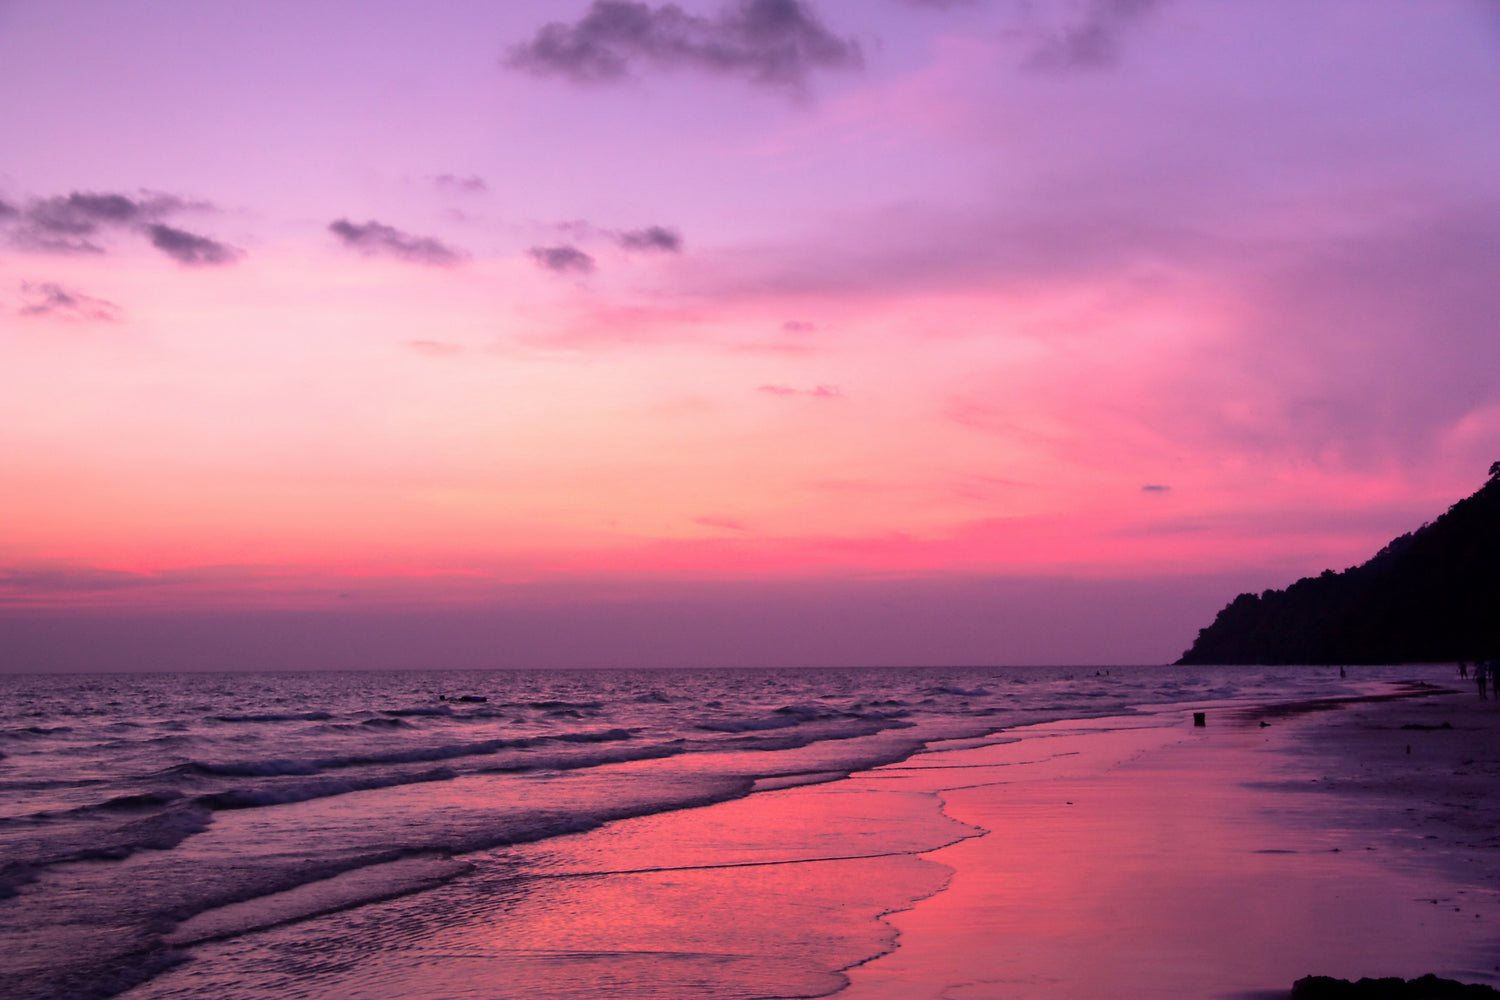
1224, 861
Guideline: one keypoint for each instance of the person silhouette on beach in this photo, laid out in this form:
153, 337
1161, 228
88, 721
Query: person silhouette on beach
1481, 674
1463, 668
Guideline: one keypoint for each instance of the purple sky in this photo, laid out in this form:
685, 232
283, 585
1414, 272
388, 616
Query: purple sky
732, 331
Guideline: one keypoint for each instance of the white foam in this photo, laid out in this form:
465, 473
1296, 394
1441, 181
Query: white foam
352, 888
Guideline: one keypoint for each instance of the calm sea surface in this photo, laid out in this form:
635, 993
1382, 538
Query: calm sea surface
149, 819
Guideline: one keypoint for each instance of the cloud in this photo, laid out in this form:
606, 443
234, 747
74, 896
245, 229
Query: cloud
722, 523
69, 224
563, 259
63, 578
462, 185
435, 348
821, 391
190, 248
48, 299
1365, 351
1091, 41
374, 238
64, 223
797, 326
652, 238
1155, 488
771, 42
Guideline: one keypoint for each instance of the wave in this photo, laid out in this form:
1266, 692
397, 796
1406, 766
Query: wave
286, 793
274, 717
419, 712
282, 766
34, 732
978, 692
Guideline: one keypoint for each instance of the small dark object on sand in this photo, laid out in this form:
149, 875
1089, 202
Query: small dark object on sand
1428, 987
471, 698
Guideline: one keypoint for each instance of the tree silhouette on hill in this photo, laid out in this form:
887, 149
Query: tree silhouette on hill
1431, 595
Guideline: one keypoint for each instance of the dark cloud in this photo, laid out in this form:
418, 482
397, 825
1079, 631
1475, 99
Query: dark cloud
1090, 41
652, 238
562, 259
461, 185
65, 223
775, 42
84, 212
8, 211
190, 248
70, 223
48, 299
1155, 488
377, 238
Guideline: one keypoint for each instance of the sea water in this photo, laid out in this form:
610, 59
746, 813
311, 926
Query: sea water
225, 834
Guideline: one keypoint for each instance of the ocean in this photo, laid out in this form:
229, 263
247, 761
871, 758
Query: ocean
348, 834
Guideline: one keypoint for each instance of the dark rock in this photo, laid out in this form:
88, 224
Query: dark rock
1428, 987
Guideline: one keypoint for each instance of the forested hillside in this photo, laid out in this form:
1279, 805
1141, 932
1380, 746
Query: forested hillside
1431, 595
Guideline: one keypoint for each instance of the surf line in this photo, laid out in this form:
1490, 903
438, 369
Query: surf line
916, 852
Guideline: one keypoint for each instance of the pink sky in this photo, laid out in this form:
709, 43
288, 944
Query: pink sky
1031, 318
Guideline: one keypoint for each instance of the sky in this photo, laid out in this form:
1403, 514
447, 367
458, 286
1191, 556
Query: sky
726, 332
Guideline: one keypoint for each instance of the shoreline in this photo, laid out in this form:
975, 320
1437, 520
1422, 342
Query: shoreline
1120, 855
1226, 861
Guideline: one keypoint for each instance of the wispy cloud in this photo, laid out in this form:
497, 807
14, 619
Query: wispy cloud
772, 42
651, 238
721, 523
52, 300
378, 239
821, 391
460, 185
563, 259
1155, 488
65, 578
942, 4
435, 348
1091, 39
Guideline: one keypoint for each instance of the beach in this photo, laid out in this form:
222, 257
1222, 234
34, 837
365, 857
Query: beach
1099, 845
1226, 861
